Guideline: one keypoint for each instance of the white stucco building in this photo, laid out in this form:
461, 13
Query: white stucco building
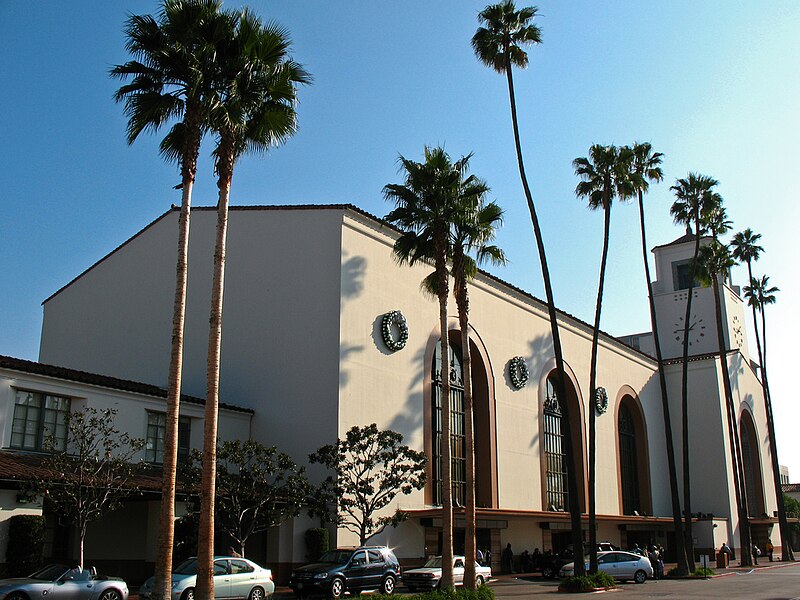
306, 290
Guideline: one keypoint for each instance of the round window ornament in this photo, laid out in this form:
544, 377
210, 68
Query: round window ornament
601, 400
392, 322
518, 372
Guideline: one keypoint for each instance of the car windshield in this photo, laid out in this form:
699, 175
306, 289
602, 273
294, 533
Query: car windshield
337, 557
434, 562
50, 572
187, 567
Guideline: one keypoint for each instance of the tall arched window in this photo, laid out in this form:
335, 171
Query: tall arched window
752, 466
631, 500
457, 433
555, 458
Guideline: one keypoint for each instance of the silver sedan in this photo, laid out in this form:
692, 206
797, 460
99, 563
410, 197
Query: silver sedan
619, 564
234, 577
61, 582
429, 575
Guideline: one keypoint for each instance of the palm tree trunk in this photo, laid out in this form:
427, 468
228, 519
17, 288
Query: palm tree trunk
569, 451
462, 300
662, 379
162, 585
786, 534
446, 443
688, 540
733, 432
593, 391
205, 545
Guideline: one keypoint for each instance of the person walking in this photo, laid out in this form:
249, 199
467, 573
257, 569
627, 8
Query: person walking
756, 554
769, 548
507, 559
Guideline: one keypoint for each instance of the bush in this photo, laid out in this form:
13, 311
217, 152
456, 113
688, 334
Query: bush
25, 544
586, 583
484, 592
317, 543
703, 572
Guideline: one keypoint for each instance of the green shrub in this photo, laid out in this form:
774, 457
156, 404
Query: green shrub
604, 580
25, 544
484, 592
585, 583
317, 543
703, 572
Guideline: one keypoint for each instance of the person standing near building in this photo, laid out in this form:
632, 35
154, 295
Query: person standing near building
769, 548
507, 559
756, 554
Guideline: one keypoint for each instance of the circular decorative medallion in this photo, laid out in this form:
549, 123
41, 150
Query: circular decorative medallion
601, 400
391, 320
518, 372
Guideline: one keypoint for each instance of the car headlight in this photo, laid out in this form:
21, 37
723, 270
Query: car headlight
321, 576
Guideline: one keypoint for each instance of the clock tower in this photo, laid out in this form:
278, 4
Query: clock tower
671, 293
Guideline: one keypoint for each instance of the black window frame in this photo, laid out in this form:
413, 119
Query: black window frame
43, 428
151, 455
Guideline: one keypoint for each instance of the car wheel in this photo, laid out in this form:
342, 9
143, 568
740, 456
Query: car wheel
256, 593
337, 588
188, 594
640, 576
479, 580
387, 585
110, 595
16, 596
547, 573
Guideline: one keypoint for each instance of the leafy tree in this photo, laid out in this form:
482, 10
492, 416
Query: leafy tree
793, 507
427, 204
605, 174
713, 263
371, 467
173, 77
647, 168
694, 200
498, 44
255, 112
93, 475
257, 488
759, 294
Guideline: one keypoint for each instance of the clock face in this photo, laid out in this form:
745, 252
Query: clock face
738, 333
697, 330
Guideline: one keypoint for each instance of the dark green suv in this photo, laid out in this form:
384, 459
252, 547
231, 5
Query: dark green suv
348, 570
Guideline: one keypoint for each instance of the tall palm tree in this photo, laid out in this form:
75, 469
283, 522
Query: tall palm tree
172, 77
759, 294
427, 204
255, 111
498, 44
711, 268
605, 174
647, 168
694, 199
472, 233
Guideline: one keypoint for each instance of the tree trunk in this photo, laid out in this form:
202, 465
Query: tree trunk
162, 584
205, 546
662, 379
569, 451
462, 301
446, 445
593, 390
733, 432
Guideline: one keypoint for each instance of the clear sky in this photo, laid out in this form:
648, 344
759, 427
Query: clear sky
714, 85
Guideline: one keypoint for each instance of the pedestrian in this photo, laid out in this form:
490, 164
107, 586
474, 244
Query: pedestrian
536, 558
769, 549
487, 555
652, 556
525, 561
756, 554
661, 562
507, 559
480, 557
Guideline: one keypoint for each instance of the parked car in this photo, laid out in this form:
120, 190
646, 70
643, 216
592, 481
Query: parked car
619, 564
348, 570
234, 577
61, 582
429, 575
551, 564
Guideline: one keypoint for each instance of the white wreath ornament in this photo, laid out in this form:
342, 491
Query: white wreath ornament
518, 372
394, 318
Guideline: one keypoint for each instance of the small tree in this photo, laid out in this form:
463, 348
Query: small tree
257, 488
371, 468
93, 475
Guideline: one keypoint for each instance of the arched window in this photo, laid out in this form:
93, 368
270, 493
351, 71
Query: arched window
631, 500
554, 455
457, 433
752, 466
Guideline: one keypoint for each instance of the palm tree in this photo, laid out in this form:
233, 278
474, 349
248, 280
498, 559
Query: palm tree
427, 204
473, 231
172, 77
694, 199
646, 168
255, 111
758, 295
605, 174
498, 44
711, 267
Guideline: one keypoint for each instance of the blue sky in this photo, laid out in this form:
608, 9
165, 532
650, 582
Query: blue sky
713, 85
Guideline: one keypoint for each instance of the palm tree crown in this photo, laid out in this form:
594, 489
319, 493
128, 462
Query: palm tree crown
605, 175
498, 44
694, 198
745, 246
759, 293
